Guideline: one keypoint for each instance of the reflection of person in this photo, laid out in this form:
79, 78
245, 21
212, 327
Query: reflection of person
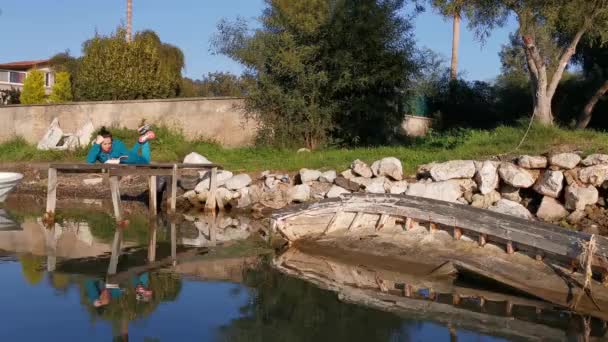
106, 149
100, 293
142, 285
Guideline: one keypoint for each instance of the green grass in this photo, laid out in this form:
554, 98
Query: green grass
460, 144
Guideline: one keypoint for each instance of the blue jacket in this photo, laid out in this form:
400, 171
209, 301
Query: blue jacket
118, 150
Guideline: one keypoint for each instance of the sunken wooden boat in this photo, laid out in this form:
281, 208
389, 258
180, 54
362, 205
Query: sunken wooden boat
540, 259
415, 294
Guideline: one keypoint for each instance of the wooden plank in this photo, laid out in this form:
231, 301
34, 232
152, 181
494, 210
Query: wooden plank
51, 193
382, 221
332, 222
115, 191
173, 200
152, 201
173, 242
116, 245
138, 172
152, 241
211, 202
355, 221
65, 167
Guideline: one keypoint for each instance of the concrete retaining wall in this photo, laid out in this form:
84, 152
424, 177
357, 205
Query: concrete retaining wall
220, 119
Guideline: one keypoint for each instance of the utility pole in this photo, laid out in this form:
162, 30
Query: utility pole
129, 20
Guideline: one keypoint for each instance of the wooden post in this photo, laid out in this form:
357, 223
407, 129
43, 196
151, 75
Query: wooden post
332, 222
51, 196
456, 299
381, 221
152, 202
482, 302
482, 240
457, 233
51, 248
173, 243
212, 226
408, 290
114, 189
539, 256
605, 278
509, 308
211, 202
510, 249
408, 223
115, 251
173, 194
432, 227
355, 220
152, 241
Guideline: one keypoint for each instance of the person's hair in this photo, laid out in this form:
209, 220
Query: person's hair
105, 133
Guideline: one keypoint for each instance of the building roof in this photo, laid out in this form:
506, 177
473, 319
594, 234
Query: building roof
24, 65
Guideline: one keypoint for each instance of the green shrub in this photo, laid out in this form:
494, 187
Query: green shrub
33, 88
62, 89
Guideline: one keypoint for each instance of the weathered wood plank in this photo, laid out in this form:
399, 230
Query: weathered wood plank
173, 200
92, 167
51, 193
115, 191
152, 205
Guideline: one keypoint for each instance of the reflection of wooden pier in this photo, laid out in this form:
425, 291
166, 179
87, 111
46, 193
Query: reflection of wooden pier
114, 171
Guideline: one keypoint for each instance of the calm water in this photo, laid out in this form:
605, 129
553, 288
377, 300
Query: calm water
72, 283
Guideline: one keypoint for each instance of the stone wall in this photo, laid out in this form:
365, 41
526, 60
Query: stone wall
219, 119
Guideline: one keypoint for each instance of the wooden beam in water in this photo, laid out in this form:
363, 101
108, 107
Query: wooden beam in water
381, 221
510, 249
51, 195
114, 189
482, 240
211, 202
457, 233
152, 200
173, 193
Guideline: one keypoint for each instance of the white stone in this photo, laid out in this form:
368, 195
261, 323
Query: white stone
271, 182
532, 162
299, 193
510, 192
507, 207
375, 188
399, 187
221, 177
348, 174
195, 158
365, 182
551, 184
576, 216
453, 169
564, 160
336, 191
85, 133
515, 176
92, 181
328, 176
245, 198
449, 191
594, 175
307, 175
595, 159
487, 177
551, 210
238, 182
52, 136
390, 167
303, 150
578, 197
485, 201
361, 169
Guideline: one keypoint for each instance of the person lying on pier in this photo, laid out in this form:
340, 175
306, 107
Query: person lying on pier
106, 149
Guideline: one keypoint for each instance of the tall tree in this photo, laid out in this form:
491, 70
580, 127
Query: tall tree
593, 57
33, 88
565, 22
324, 69
452, 9
62, 88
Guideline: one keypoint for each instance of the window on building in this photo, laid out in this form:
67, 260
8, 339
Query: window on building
17, 77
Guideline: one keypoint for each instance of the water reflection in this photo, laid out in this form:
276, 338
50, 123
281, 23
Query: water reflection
197, 279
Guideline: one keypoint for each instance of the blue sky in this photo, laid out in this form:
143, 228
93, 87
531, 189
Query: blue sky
37, 29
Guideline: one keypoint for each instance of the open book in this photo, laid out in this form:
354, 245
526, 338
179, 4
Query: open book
116, 160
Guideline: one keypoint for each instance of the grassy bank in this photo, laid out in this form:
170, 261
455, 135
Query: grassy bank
464, 144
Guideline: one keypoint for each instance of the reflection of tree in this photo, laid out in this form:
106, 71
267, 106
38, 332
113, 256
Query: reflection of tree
289, 309
32, 268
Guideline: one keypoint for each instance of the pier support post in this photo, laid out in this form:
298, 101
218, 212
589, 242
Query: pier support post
51, 197
173, 193
510, 249
152, 200
457, 233
211, 202
482, 240
114, 189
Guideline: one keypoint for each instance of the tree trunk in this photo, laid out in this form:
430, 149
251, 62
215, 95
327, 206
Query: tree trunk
455, 44
542, 108
129, 20
585, 116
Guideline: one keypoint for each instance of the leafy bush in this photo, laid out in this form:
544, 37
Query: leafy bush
62, 89
33, 88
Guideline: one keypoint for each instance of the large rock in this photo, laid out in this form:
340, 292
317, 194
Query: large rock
245, 198
195, 158
551, 210
85, 133
449, 191
507, 207
564, 160
397, 188
578, 197
299, 193
362, 181
532, 162
328, 176
515, 176
348, 174
595, 159
551, 184
453, 169
571, 176
424, 170
487, 177
238, 182
510, 193
336, 191
307, 175
389, 167
576, 216
594, 175
376, 187
221, 177
361, 169
52, 136
347, 184
485, 201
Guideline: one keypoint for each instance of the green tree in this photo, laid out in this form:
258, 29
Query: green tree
62, 88
33, 88
64, 62
113, 69
324, 69
564, 23
593, 58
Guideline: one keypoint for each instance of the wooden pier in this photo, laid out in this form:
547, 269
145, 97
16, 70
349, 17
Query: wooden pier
114, 171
